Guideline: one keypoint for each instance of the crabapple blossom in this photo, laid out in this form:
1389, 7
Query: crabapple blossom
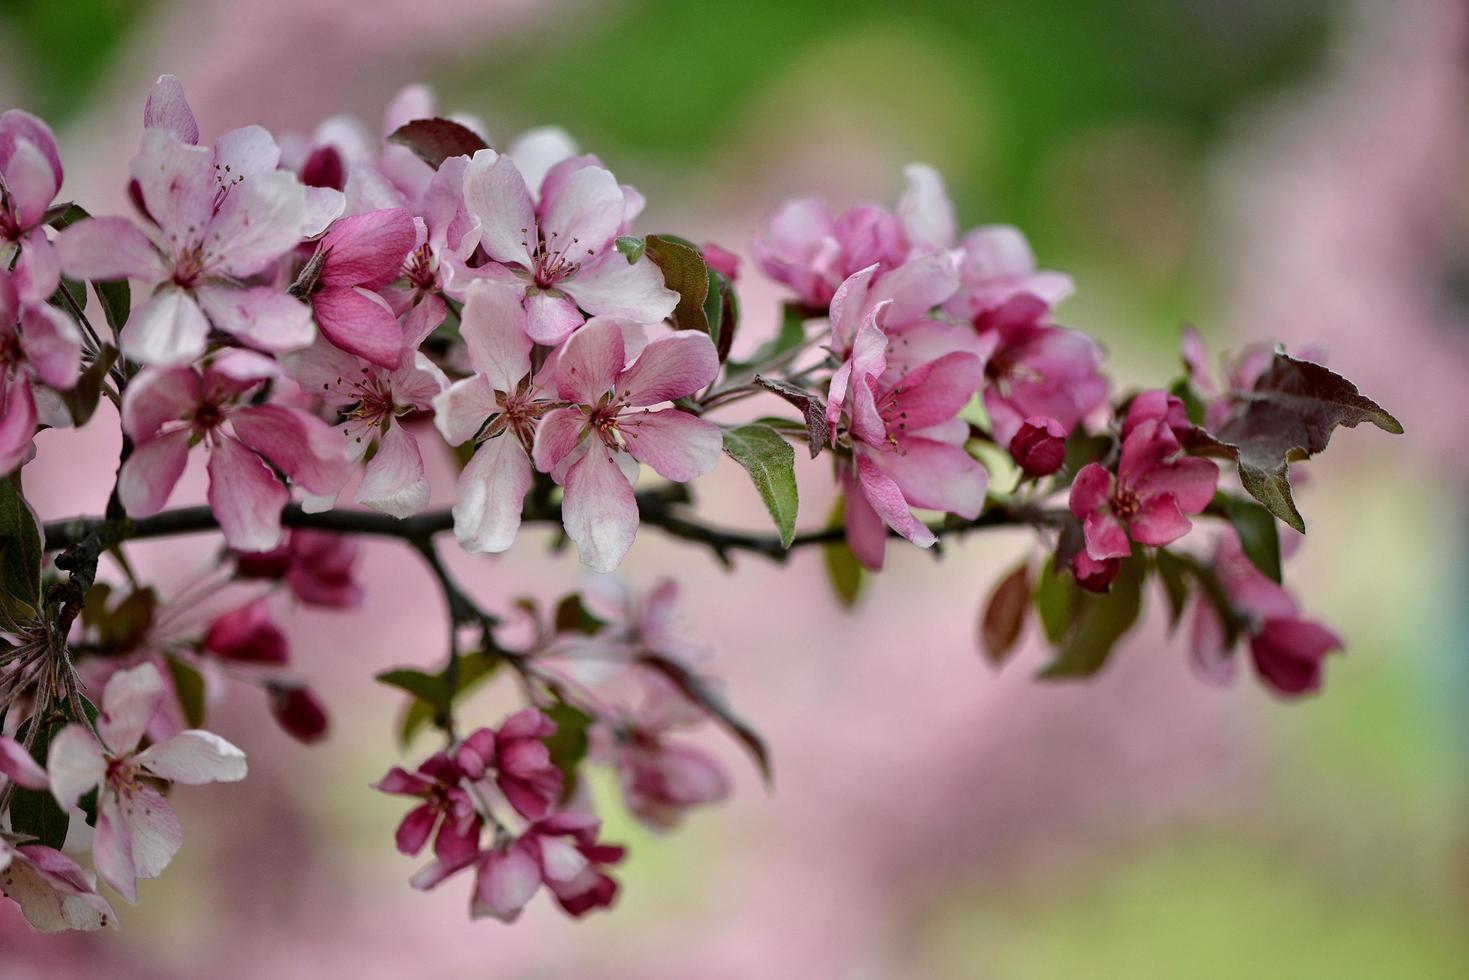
1039, 446
557, 247
1148, 499
39, 345
517, 753
357, 255
52, 890
447, 813
167, 409
30, 177
318, 567
247, 635
609, 426
137, 833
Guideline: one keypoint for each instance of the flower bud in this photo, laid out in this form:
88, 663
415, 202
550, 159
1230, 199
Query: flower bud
1094, 576
247, 635
298, 712
1288, 654
1039, 447
722, 261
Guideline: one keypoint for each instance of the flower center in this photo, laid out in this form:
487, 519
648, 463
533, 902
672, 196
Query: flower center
552, 261
1125, 503
420, 270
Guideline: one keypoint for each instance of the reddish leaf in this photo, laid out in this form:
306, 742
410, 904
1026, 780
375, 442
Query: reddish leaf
812, 406
1004, 615
436, 140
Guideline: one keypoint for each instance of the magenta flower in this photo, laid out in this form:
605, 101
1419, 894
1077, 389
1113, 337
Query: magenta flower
317, 566
502, 393
166, 410
996, 266
1159, 406
560, 852
371, 402
137, 832
1287, 650
1037, 368
559, 248
358, 255
609, 426
808, 249
38, 345
447, 812
217, 217
517, 755
30, 176
52, 890
1039, 447
1148, 500
247, 635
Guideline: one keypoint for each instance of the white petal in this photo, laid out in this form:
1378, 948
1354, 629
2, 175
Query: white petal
75, 764
194, 757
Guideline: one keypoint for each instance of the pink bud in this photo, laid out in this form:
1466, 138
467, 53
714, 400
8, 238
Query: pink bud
1094, 576
1039, 446
298, 711
324, 168
722, 261
1288, 654
247, 634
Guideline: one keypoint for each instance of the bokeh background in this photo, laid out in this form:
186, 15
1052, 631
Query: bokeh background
1292, 169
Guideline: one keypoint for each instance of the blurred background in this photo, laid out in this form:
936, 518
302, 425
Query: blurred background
1268, 169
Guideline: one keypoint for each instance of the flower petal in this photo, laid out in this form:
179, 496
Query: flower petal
496, 194
506, 881
30, 182
359, 322
462, 408
886, 497
558, 434
246, 497
581, 214
590, 362
492, 489
609, 286
129, 702
193, 758
52, 344
167, 109
600, 512
168, 329
493, 328
367, 249
112, 848
150, 473
259, 220
936, 476
75, 764
394, 482
155, 830
17, 765
670, 367
17, 425
304, 447
925, 209
678, 445
108, 248
177, 184
264, 318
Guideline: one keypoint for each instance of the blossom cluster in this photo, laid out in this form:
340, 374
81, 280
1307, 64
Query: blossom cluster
310, 314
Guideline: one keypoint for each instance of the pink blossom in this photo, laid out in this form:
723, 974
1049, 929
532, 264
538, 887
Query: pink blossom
216, 217
39, 345
1158, 406
298, 711
1155, 488
661, 777
447, 812
558, 248
1287, 650
1037, 368
636, 626
371, 401
502, 393
30, 176
590, 448
907, 443
137, 833
360, 254
808, 249
516, 753
1039, 447
560, 852
997, 266
166, 410
1093, 575
52, 890
247, 635
318, 567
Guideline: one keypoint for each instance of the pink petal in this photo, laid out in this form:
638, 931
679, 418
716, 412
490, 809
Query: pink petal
154, 827
304, 447
590, 362
678, 445
1159, 521
17, 765
262, 317
246, 497
168, 329
670, 367
37, 270
52, 344
936, 476
886, 497
608, 286
259, 221
493, 328
866, 533
491, 490
506, 881
1105, 536
361, 323
129, 702
53, 893
177, 184
935, 392
17, 125
925, 210
1288, 654
495, 193
549, 316
194, 758
536, 151
112, 848
247, 635
17, 424
150, 473
1090, 490
367, 249
581, 215
914, 288
600, 512
414, 830
394, 482
461, 409
167, 109
1190, 480
558, 434
74, 764
30, 181
247, 152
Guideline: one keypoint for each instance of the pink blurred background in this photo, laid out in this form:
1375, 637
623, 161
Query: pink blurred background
930, 818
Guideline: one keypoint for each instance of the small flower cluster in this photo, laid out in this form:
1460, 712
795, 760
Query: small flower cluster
311, 315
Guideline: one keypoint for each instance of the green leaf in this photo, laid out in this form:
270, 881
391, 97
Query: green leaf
425, 687
432, 694
36, 812
116, 297
435, 140
1288, 416
684, 272
1004, 615
1171, 572
81, 400
1057, 597
843, 570
568, 745
188, 685
630, 246
1100, 621
418, 714
771, 463
21, 550
722, 308
1258, 534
